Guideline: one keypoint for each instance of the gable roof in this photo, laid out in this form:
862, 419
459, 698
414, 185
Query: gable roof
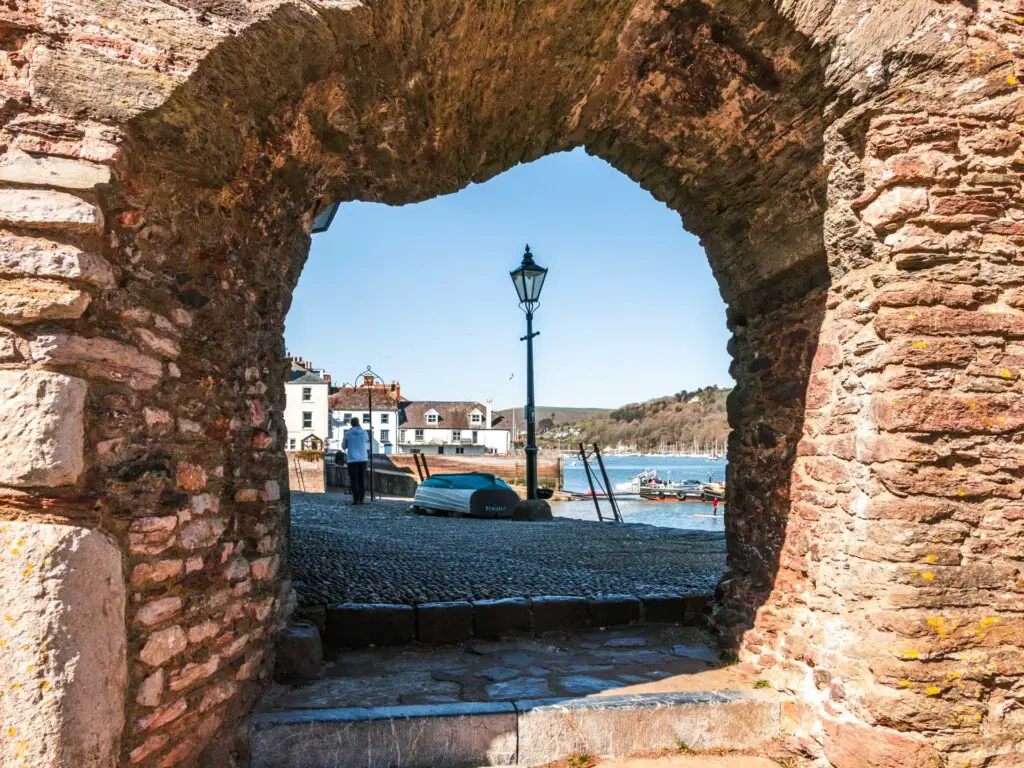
451, 414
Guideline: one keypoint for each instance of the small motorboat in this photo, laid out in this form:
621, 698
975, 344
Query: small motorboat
711, 491
472, 494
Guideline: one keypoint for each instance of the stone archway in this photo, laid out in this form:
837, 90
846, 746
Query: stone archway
852, 172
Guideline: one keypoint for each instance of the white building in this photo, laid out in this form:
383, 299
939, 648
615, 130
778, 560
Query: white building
347, 403
305, 409
438, 427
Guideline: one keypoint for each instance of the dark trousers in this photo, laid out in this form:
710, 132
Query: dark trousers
357, 480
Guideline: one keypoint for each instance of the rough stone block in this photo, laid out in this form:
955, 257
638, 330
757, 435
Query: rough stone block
63, 591
23, 168
46, 209
695, 607
664, 609
29, 300
444, 622
99, 357
558, 614
616, 726
424, 736
315, 615
895, 205
300, 654
41, 428
536, 510
361, 624
852, 745
613, 610
501, 618
41, 257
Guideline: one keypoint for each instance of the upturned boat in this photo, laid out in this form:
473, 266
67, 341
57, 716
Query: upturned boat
472, 494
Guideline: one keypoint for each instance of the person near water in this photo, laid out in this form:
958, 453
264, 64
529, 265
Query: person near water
354, 443
714, 506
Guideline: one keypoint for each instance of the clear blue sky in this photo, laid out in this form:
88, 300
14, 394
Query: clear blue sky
630, 310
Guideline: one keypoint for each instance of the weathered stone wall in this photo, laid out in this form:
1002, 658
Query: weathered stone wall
854, 172
308, 476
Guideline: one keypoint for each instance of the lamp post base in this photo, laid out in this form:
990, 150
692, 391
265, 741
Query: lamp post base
532, 510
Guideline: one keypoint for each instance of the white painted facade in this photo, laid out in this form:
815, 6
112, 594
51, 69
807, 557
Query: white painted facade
385, 430
473, 438
305, 410
470, 442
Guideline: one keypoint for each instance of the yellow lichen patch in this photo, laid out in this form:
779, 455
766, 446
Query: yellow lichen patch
909, 653
12, 732
928, 576
988, 621
961, 492
1011, 80
904, 684
938, 623
1005, 373
972, 405
920, 345
933, 690
951, 676
931, 559
44, 685
20, 748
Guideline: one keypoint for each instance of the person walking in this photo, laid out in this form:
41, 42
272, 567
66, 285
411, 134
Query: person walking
355, 447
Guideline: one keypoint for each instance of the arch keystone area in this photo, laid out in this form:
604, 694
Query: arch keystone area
853, 170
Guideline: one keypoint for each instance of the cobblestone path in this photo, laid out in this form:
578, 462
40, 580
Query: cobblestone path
380, 552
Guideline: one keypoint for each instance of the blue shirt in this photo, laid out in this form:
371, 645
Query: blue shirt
354, 444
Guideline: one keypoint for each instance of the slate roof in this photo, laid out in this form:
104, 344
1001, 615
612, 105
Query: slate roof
452, 415
308, 378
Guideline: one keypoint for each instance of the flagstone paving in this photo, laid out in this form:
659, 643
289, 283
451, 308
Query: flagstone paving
383, 553
665, 659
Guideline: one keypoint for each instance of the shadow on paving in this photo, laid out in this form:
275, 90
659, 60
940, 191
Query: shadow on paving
643, 660
382, 553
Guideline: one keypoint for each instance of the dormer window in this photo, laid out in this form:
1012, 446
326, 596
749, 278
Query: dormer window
476, 418
432, 417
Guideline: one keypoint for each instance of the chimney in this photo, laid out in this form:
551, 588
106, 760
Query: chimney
327, 378
368, 380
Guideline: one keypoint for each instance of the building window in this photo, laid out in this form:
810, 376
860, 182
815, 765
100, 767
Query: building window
383, 418
366, 418
456, 435
307, 419
431, 418
291, 443
401, 435
476, 440
348, 418
476, 418
419, 435
385, 435
307, 394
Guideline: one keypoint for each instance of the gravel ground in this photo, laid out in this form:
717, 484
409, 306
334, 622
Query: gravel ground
380, 552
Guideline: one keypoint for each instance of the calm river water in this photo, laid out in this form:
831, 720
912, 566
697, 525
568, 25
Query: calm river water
692, 515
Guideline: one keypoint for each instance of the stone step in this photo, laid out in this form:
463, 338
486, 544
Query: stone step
524, 733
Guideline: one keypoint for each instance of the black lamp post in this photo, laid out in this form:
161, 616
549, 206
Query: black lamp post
367, 379
528, 279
